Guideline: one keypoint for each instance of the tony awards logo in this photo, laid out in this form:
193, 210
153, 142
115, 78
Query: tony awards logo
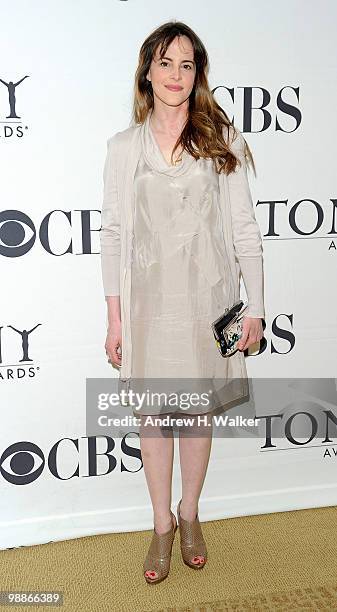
16, 359
11, 127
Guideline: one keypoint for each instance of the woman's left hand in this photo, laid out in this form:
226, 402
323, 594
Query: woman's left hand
252, 332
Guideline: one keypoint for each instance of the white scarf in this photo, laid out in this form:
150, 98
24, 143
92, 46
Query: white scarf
154, 157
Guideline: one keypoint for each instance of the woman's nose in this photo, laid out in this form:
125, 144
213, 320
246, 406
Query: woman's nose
176, 73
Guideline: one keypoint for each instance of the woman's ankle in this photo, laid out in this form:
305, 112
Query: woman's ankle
188, 511
163, 524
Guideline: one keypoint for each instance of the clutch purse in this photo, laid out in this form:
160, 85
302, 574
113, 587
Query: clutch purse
227, 329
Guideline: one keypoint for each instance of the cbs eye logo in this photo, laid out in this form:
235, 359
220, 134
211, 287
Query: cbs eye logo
23, 462
18, 461
15, 228
73, 230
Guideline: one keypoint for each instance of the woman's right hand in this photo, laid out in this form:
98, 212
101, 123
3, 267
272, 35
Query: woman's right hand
113, 343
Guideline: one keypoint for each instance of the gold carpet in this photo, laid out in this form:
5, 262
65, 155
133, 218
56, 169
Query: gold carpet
277, 562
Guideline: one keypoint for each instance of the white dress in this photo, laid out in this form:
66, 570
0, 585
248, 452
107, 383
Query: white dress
179, 272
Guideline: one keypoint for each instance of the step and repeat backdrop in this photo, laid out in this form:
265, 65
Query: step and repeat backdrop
66, 85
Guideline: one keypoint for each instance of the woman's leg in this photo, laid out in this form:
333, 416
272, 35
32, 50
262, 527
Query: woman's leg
157, 448
195, 442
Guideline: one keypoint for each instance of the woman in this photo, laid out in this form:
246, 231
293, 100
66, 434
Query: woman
178, 227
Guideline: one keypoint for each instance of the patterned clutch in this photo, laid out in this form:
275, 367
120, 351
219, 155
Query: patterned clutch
227, 329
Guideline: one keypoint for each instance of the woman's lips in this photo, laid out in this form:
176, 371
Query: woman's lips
174, 87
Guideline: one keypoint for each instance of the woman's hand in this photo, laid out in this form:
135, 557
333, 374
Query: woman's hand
252, 332
114, 342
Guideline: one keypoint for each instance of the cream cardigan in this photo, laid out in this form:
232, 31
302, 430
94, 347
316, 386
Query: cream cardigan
241, 233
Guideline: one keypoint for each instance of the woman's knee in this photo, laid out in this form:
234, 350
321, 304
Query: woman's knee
200, 425
154, 427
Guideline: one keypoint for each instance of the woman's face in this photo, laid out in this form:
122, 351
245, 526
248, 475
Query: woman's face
173, 76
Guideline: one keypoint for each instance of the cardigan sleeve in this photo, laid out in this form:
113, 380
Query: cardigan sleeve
110, 224
247, 237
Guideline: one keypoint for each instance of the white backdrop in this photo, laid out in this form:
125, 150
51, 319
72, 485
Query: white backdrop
80, 59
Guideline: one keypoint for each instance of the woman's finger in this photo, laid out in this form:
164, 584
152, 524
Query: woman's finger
114, 356
244, 337
251, 333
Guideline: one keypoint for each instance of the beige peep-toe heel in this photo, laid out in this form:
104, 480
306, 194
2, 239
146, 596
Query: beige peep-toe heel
158, 559
192, 544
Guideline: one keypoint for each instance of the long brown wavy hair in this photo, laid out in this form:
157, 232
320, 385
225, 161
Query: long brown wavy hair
202, 135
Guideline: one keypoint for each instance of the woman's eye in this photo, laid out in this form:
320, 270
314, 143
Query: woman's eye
164, 63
